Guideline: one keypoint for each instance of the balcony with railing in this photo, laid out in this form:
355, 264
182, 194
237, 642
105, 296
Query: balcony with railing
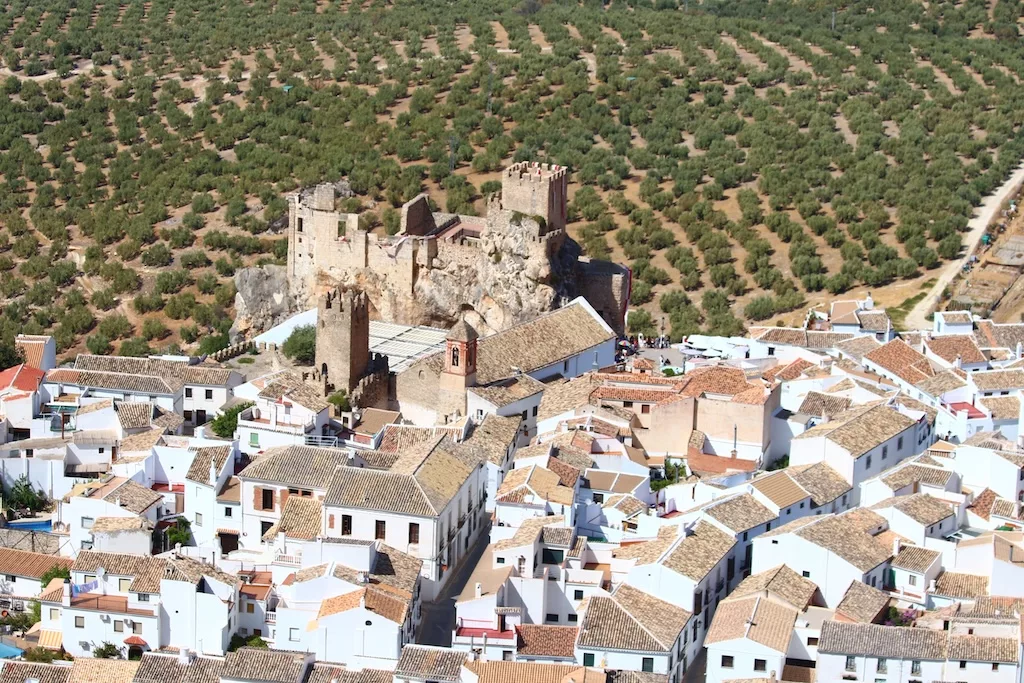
254, 418
271, 618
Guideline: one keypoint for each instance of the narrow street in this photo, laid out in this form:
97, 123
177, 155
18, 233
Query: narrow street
439, 616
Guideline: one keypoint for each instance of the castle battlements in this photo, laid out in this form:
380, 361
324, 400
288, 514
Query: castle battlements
536, 172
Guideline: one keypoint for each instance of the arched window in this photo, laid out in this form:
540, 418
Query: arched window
455, 357
323, 369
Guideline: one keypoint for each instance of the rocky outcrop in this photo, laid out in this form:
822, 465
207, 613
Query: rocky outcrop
263, 300
510, 278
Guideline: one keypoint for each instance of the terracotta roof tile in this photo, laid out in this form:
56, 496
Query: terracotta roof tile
758, 619
961, 585
898, 358
535, 640
631, 619
862, 603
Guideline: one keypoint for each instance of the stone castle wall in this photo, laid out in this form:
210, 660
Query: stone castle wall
506, 268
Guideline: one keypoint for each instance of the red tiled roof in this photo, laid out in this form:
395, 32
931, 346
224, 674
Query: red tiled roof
900, 359
21, 377
547, 641
33, 350
972, 412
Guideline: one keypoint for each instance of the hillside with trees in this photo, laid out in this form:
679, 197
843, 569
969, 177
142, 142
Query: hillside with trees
745, 158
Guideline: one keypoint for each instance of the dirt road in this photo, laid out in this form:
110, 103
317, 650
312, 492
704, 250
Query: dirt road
916, 319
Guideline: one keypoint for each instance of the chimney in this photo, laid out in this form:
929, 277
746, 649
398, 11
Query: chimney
213, 471
772, 678
895, 546
479, 589
931, 586
958, 363
869, 303
1020, 350
177, 550
65, 599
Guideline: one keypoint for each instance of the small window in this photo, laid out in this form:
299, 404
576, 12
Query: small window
228, 512
102, 449
812, 641
87, 522
599, 498
11, 578
380, 529
578, 595
867, 463
851, 663
500, 560
645, 409
414, 532
188, 392
293, 635
209, 394
912, 580
806, 574
915, 667
199, 519
298, 225
553, 618
535, 411
588, 659
54, 613
802, 505
881, 666
143, 597
648, 662
885, 452
268, 497
727, 661
963, 664
123, 584
760, 665
79, 622
250, 608
118, 626
899, 444
506, 655
627, 404
995, 666
346, 525
254, 439
137, 628
573, 618
552, 556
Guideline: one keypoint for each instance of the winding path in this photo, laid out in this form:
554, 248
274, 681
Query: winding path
916, 319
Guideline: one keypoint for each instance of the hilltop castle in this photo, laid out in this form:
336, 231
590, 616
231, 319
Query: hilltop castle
499, 270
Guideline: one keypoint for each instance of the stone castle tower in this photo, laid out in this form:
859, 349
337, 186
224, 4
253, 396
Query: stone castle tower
536, 189
459, 358
342, 339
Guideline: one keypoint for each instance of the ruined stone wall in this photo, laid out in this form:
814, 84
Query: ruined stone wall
375, 390
606, 287
417, 220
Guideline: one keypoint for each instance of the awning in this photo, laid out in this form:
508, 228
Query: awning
228, 532
135, 640
51, 640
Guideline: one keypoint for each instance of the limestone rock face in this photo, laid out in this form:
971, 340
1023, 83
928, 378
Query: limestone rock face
508, 279
263, 300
